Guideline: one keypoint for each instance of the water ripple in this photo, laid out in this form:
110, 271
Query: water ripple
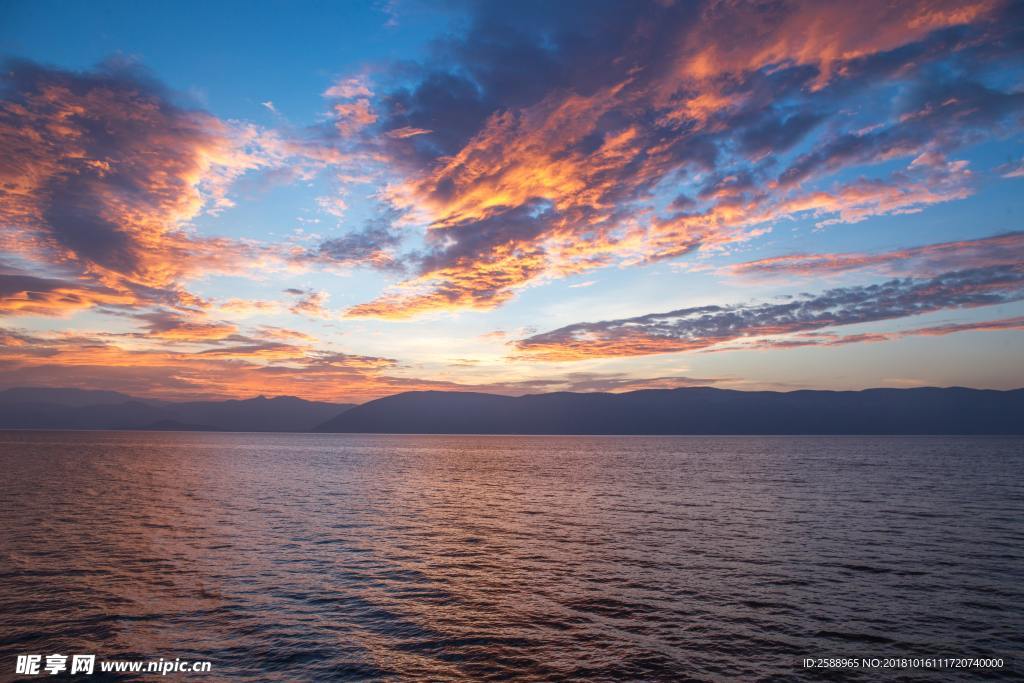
347, 557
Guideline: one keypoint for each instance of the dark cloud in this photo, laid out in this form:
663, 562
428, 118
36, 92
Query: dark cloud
701, 327
26, 294
101, 171
830, 339
554, 128
606, 381
101, 164
937, 116
28, 284
174, 325
509, 58
774, 134
374, 245
1005, 249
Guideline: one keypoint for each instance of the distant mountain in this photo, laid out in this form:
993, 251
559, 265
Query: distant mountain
693, 410
63, 397
45, 408
175, 426
279, 414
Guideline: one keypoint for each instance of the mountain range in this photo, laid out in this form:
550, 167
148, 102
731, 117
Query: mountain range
689, 410
693, 410
51, 408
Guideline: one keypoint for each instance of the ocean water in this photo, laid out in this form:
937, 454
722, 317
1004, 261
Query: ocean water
350, 557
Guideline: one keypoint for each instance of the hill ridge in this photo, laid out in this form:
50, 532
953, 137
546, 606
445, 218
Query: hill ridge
693, 410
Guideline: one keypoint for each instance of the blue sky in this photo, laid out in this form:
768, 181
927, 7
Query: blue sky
346, 200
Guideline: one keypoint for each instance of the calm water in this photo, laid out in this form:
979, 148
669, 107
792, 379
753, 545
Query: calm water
322, 557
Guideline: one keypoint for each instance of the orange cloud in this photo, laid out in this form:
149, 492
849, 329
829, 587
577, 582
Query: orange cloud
23, 294
242, 368
231, 369
100, 178
309, 302
100, 171
575, 178
177, 326
351, 117
348, 88
812, 32
987, 251
544, 248
704, 327
826, 339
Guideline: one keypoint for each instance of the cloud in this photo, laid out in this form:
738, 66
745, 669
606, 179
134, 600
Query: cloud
534, 142
611, 382
174, 325
334, 205
102, 171
276, 333
374, 245
407, 132
237, 307
25, 294
938, 116
309, 302
352, 117
555, 134
349, 88
831, 339
697, 328
1007, 248
240, 367
482, 264
100, 178
1013, 170
352, 110
229, 367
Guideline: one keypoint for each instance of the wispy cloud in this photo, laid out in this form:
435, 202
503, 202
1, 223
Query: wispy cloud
231, 366
375, 245
831, 339
697, 328
280, 362
309, 302
1007, 249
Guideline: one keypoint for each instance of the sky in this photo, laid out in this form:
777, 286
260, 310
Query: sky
341, 201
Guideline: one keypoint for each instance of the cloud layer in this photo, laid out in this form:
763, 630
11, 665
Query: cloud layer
1007, 249
698, 328
551, 142
532, 142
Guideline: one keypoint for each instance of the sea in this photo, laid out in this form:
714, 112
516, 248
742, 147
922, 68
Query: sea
321, 557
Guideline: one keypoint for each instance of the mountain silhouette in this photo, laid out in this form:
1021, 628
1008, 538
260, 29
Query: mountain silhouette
690, 410
693, 410
46, 408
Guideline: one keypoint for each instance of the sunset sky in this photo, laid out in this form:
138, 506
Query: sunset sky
341, 201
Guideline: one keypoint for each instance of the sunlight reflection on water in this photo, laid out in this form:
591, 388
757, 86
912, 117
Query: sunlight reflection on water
313, 557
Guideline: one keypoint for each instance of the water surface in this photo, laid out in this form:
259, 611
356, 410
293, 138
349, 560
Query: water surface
332, 557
